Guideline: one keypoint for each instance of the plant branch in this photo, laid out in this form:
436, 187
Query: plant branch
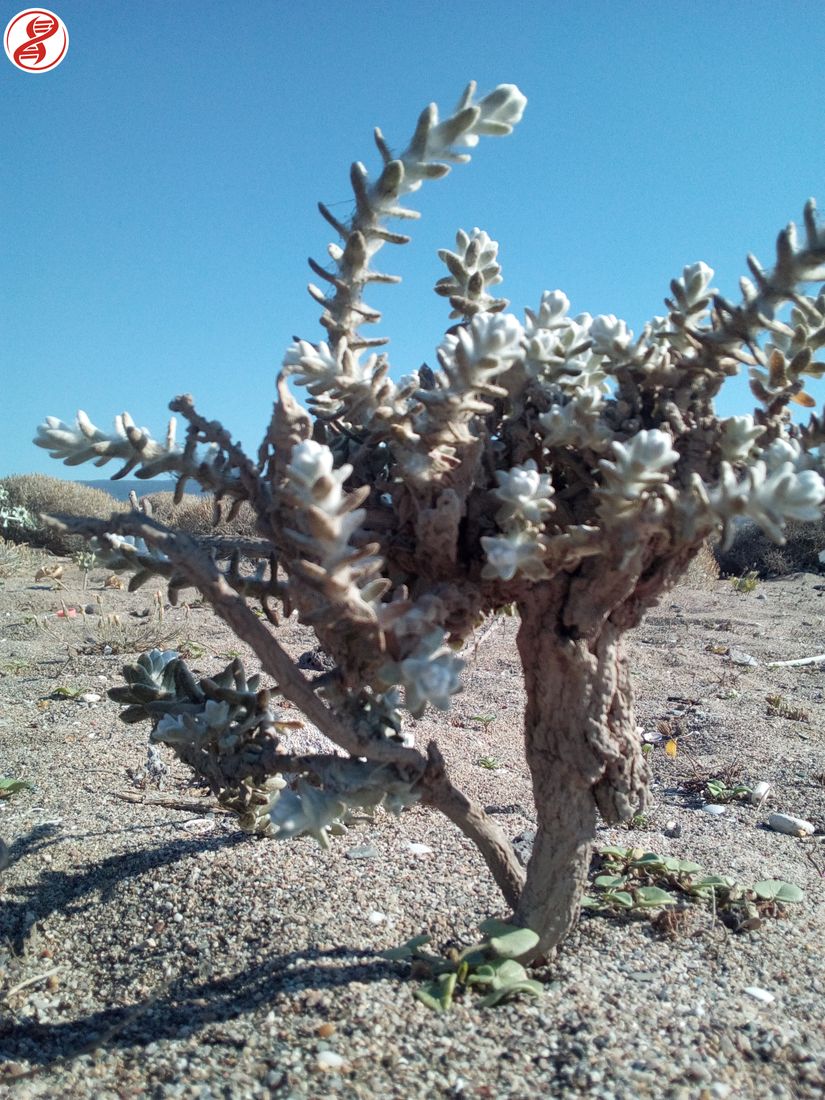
439, 792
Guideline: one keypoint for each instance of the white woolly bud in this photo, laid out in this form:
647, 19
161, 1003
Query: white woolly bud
490, 344
610, 335
576, 423
641, 464
306, 810
504, 106
551, 314
524, 493
781, 451
431, 674
520, 551
768, 498
695, 282
314, 363
309, 462
739, 433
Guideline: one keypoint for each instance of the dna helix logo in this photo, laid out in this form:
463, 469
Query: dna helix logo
36, 40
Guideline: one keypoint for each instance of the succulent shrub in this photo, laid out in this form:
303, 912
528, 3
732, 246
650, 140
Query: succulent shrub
753, 552
24, 498
557, 465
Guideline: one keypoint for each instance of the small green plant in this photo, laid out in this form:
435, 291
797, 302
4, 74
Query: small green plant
63, 692
640, 822
632, 879
490, 966
85, 560
491, 763
746, 583
8, 787
778, 707
14, 516
484, 719
12, 668
717, 790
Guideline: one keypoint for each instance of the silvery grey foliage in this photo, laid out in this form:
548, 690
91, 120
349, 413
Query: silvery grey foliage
560, 463
14, 517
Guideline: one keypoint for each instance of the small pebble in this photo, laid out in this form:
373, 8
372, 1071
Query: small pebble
713, 808
365, 851
792, 826
739, 657
759, 994
376, 918
759, 792
328, 1059
419, 849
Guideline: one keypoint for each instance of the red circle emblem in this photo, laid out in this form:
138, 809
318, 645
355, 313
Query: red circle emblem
36, 40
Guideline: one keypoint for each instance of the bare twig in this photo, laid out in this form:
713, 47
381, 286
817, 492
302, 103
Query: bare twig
35, 980
187, 806
799, 661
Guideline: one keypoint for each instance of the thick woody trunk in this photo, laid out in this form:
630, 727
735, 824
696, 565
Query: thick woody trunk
583, 752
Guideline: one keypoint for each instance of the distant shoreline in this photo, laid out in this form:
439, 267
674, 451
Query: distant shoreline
120, 489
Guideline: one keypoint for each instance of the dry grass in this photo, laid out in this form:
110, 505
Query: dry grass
18, 557
41, 494
113, 633
194, 515
753, 552
703, 571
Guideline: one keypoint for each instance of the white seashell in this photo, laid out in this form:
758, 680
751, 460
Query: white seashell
712, 808
328, 1059
759, 994
419, 849
793, 826
759, 793
739, 657
377, 918
89, 697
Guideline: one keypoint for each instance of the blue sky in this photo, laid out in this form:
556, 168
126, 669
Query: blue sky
158, 188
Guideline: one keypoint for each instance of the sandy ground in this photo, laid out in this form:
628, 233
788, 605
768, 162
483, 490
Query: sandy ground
147, 948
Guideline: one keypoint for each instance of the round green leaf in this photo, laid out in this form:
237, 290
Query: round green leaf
609, 882
589, 902
515, 943
772, 889
531, 987
620, 898
492, 926
652, 896
707, 883
649, 861
508, 971
406, 950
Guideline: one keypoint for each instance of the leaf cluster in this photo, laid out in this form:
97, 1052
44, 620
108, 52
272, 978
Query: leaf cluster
490, 967
634, 880
8, 787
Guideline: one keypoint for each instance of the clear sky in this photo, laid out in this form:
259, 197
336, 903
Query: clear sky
158, 188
